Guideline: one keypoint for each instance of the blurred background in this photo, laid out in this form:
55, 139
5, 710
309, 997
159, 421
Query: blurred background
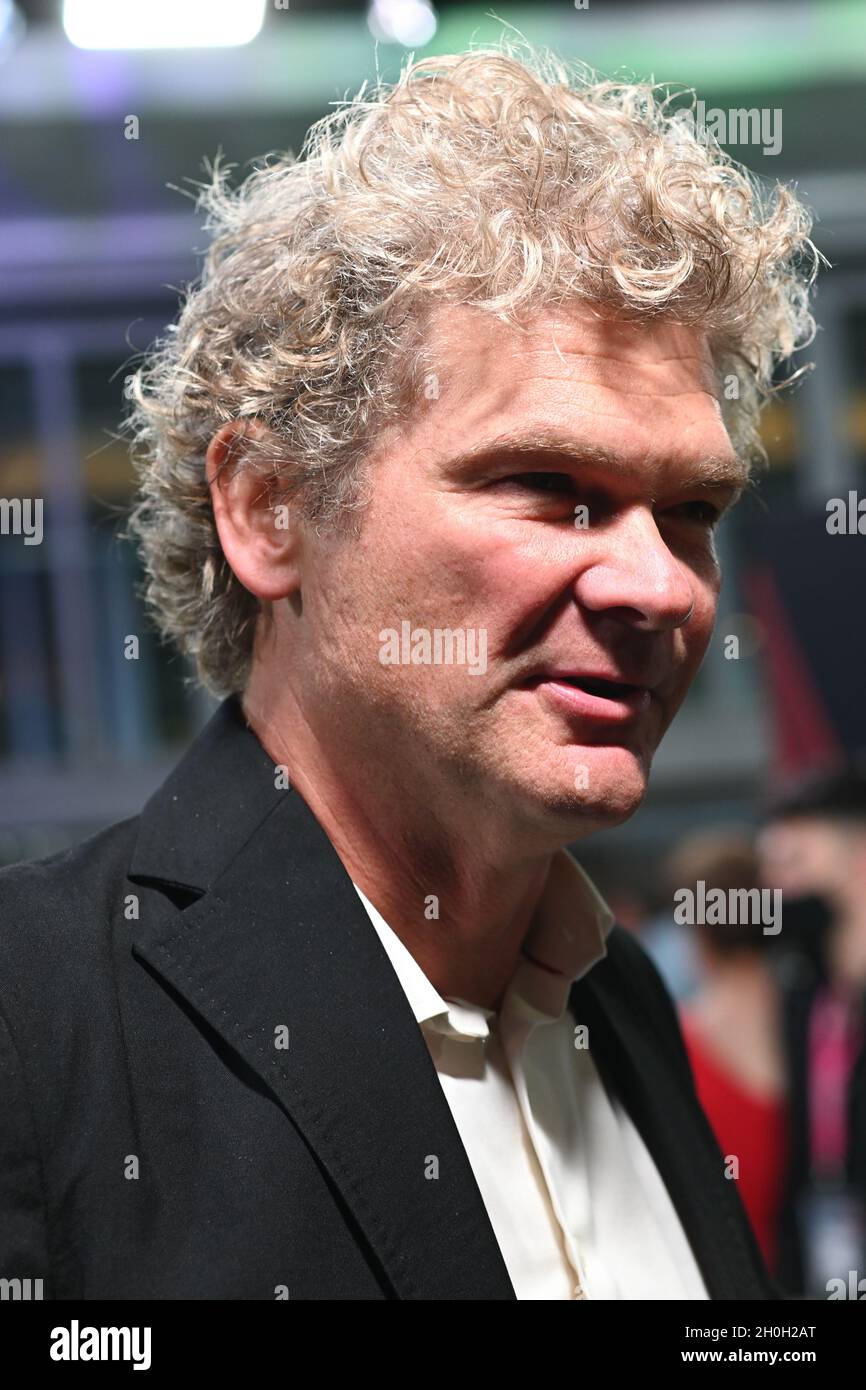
107, 111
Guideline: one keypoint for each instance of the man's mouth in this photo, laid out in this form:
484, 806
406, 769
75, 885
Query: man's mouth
597, 685
589, 696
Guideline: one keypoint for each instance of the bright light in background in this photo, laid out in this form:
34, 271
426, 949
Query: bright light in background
410, 22
162, 23
11, 26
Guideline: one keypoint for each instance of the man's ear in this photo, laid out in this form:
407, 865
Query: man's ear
260, 535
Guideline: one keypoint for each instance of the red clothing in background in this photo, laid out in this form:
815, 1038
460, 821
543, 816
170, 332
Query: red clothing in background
752, 1127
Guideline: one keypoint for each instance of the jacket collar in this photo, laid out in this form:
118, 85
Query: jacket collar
222, 789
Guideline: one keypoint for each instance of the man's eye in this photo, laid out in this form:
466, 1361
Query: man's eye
542, 482
704, 513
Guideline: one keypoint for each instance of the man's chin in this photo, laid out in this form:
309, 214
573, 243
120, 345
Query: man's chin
606, 787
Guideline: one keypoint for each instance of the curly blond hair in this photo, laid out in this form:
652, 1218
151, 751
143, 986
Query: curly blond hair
506, 180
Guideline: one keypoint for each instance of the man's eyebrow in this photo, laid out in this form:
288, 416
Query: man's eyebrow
717, 471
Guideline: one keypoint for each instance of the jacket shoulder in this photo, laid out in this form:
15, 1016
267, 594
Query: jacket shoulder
58, 902
56, 917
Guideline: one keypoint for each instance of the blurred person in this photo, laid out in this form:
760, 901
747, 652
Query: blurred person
670, 945
813, 848
732, 1027
338, 1016
672, 951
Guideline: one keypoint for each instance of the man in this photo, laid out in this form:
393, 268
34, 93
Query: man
429, 474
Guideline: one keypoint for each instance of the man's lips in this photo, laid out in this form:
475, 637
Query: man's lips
592, 695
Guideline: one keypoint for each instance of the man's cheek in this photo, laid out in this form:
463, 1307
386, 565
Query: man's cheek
699, 631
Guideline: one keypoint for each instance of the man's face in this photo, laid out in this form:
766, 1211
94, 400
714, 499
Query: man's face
459, 535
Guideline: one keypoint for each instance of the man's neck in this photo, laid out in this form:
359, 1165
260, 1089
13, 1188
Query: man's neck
455, 893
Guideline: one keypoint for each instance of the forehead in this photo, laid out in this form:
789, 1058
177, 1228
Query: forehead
582, 338
643, 392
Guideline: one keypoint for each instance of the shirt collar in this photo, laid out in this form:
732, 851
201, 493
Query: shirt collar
566, 938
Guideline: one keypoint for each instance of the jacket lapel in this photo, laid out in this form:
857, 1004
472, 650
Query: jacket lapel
279, 940
636, 1069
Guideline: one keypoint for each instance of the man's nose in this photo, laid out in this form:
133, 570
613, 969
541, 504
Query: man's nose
635, 577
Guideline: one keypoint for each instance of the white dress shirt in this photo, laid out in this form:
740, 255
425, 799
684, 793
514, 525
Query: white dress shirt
575, 1201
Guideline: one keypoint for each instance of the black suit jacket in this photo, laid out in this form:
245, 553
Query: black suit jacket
158, 1143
